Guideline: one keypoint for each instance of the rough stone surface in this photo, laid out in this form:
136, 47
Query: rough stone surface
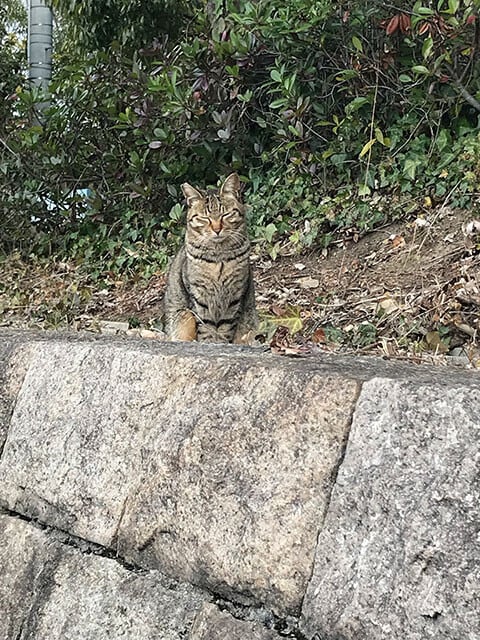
72, 450
236, 487
13, 366
215, 471
24, 556
213, 624
95, 598
5, 398
399, 554
215, 464
49, 591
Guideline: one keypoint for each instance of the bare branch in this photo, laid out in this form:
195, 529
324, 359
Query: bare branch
466, 95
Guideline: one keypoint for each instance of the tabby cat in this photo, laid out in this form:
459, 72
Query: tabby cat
210, 294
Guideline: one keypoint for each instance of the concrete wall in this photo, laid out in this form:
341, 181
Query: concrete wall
153, 490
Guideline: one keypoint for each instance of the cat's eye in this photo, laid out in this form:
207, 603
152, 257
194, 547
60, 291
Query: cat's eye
199, 221
234, 214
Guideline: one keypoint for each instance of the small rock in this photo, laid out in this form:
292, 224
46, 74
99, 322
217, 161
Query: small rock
111, 327
148, 334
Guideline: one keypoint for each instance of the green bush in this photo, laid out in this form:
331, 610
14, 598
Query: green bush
335, 116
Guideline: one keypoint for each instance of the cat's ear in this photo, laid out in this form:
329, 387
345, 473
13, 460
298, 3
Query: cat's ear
191, 194
231, 186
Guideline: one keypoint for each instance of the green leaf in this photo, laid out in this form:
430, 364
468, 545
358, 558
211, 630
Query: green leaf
270, 231
245, 97
348, 74
160, 134
233, 71
338, 159
366, 147
275, 76
176, 212
453, 6
419, 68
294, 131
410, 168
355, 104
172, 190
443, 139
276, 104
357, 43
364, 190
379, 135
424, 11
381, 138
427, 48
403, 77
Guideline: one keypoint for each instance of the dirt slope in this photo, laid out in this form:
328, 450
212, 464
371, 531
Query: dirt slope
405, 290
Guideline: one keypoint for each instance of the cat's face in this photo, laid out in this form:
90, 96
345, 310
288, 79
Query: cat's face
215, 216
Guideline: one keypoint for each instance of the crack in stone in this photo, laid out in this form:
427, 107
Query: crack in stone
333, 482
9, 406
286, 627
115, 537
80, 544
42, 585
338, 464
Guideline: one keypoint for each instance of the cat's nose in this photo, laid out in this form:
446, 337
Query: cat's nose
216, 226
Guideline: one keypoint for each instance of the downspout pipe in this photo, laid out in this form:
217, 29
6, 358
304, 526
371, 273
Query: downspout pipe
40, 29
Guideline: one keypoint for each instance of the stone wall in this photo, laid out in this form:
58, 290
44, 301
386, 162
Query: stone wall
153, 490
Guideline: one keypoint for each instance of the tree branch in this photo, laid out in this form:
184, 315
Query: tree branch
466, 95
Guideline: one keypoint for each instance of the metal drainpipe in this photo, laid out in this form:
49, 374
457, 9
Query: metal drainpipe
40, 21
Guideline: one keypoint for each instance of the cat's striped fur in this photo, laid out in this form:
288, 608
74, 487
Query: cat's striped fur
210, 294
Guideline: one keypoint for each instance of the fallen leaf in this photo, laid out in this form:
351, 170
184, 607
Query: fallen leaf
308, 282
435, 343
397, 241
288, 318
467, 329
386, 306
281, 344
427, 202
421, 223
319, 336
471, 228
151, 335
276, 310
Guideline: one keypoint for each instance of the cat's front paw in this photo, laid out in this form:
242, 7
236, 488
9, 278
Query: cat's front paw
185, 327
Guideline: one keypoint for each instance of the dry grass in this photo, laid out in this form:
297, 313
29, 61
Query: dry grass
406, 290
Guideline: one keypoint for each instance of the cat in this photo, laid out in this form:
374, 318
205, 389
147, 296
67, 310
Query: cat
210, 293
